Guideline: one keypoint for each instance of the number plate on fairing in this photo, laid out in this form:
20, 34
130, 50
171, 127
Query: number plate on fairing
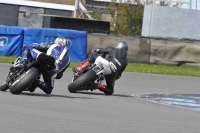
97, 68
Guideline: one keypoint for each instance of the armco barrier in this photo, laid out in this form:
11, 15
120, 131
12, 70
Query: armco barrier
11, 40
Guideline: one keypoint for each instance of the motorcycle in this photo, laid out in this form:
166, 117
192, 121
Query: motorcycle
22, 77
87, 78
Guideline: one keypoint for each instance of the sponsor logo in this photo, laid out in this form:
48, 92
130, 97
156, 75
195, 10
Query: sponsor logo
117, 62
3, 40
37, 51
113, 67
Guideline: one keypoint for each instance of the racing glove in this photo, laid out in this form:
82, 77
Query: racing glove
46, 62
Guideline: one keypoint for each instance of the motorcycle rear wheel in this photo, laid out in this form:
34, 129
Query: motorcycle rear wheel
82, 81
24, 81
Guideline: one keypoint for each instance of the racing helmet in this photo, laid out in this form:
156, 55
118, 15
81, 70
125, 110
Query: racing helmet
61, 41
122, 44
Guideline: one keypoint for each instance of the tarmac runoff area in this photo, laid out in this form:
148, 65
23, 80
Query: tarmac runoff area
141, 103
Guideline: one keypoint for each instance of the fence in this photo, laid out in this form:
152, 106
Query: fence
186, 4
99, 6
84, 8
66, 2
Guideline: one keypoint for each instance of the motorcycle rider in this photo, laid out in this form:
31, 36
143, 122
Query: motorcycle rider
114, 60
53, 58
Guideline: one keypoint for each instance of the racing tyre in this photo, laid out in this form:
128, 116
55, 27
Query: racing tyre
4, 87
82, 81
24, 81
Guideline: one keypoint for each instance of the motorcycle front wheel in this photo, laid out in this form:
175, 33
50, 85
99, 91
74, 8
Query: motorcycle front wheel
82, 81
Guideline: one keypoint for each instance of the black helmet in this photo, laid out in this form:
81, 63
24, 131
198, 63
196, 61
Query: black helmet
122, 44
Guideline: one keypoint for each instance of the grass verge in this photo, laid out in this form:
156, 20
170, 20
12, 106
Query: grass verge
140, 68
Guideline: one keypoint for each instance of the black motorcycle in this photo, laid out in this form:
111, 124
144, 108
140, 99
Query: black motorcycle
21, 77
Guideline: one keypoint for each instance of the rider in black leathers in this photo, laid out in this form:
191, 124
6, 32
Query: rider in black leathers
117, 59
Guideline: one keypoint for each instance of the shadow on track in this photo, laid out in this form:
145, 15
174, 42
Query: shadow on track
64, 96
101, 93
51, 95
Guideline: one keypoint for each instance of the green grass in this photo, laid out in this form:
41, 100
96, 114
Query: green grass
7, 59
140, 68
164, 69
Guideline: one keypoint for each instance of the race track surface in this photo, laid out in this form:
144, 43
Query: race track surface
93, 112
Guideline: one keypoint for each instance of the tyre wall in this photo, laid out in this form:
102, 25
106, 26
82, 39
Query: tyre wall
13, 39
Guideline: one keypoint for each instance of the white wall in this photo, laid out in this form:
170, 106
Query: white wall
171, 22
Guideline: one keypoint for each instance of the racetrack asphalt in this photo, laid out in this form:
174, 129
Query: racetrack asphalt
94, 112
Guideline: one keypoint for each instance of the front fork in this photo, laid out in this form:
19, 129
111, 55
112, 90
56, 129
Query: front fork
9, 79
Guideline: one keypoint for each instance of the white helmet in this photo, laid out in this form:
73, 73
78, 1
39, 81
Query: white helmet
61, 41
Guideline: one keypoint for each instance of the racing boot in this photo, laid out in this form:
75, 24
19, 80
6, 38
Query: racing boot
85, 64
33, 87
43, 86
101, 87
